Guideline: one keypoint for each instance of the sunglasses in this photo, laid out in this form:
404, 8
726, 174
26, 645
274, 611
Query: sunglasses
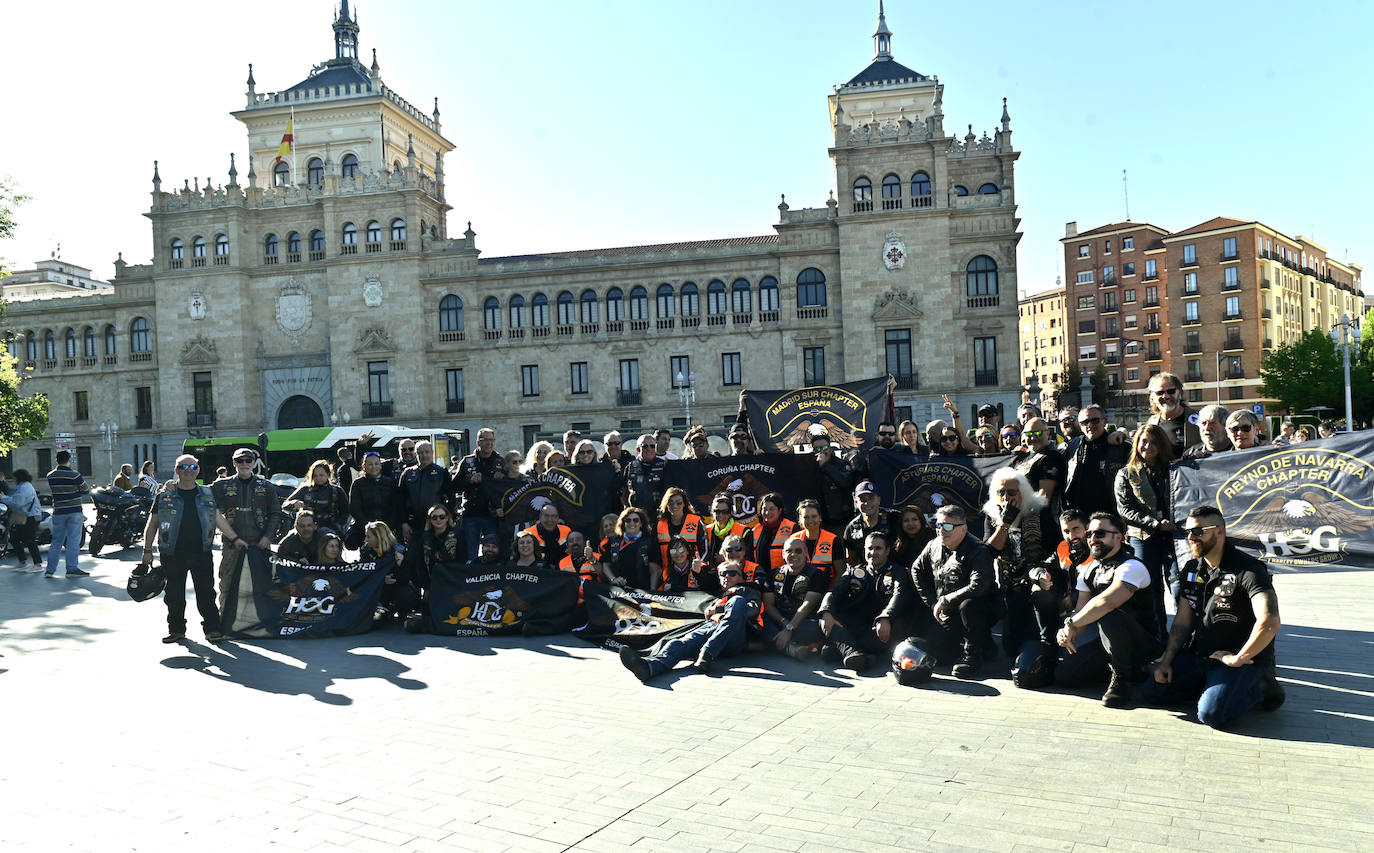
1198, 532
739, 438
1238, 428
438, 517
1086, 421
633, 518
731, 573
891, 434
1010, 435
188, 467
736, 548
1006, 493
949, 438
1066, 420
372, 453
949, 526
243, 460
612, 444
1166, 392
1035, 433
1102, 534
675, 502
699, 441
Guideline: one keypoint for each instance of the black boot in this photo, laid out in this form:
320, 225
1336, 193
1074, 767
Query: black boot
703, 664
1274, 694
969, 662
1118, 693
637, 665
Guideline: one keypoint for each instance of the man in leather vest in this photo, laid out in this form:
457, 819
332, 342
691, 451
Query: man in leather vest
253, 507
1114, 594
1093, 465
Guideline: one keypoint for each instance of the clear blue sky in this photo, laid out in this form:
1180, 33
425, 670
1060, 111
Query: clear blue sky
617, 123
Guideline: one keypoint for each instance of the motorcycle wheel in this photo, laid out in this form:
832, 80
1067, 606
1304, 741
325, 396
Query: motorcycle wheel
97, 541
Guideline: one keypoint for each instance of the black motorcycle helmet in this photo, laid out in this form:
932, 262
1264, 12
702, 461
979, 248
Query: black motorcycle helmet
147, 581
912, 662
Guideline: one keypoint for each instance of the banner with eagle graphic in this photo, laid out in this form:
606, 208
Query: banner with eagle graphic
582, 493
1304, 505
639, 618
849, 413
930, 482
745, 480
271, 596
485, 601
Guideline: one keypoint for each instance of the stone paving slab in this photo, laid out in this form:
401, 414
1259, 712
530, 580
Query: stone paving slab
394, 742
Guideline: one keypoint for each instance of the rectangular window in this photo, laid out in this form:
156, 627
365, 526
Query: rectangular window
81, 405
202, 393
1190, 282
1194, 373
1151, 268
1088, 353
1111, 330
1128, 269
83, 460
1232, 275
577, 377
1232, 307
730, 372
1234, 368
1192, 341
1152, 295
1127, 243
1236, 392
897, 344
143, 407
629, 374
1190, 314
1228, 249
1085, 277
680, 371
1087, 327
44, 459
529, 380
1086, 302
378, 382
1108, 302
1130, 321
1107, 247
985, 361
1190, 255
455, 394
1233, 339
1154, 353
1083, 250
813, 366
1108, 274
1129, 295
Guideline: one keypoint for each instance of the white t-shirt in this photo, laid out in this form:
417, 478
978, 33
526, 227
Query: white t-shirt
1131, 571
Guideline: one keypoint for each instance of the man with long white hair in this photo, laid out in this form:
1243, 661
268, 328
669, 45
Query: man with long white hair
1022, 534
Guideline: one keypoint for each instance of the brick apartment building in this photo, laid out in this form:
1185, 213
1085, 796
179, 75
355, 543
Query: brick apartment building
1044, 342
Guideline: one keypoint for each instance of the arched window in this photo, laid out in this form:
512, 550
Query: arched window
920, 190
988, 189
590, 307
665, 301
350, 166
451, 313
615, 305
317, 241
350, 234
69, 344
281, 174
768, 294
111, 341
398, 229
222, 246
565, 309
517, 311
892, 192
49, 345
269, 246
715, 297
88, 343
960, 189
982, 276
691, 301
198, 247
741, 297
539, 310
863, 189
140, 336
293, 242
314, 171
639, 303
811, 288
491, 313
395, 165
178, 249
374, 232
30, 347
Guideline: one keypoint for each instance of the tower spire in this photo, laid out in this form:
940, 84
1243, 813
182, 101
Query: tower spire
345, 35
882, 37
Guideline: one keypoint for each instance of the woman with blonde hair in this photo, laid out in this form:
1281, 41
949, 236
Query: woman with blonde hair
1142, 501
321, 496
536, 461
675, 518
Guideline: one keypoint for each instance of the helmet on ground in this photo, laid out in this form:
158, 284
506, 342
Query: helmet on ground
912, 662
146, 581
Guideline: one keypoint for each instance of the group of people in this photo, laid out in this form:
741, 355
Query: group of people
1076, 551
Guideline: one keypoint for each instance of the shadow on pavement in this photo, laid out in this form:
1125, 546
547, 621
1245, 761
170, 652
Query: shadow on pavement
244, 666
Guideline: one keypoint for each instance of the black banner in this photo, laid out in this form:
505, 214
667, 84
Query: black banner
582, 493
903, 479
638, 618
275, 597
781, 420
746, 479
484, 601
1308, 504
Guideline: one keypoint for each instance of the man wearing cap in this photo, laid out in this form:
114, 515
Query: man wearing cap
490, 553
741, 443
836, 481
871, 518
988, 418
253, 507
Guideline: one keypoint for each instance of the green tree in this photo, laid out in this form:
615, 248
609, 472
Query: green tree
21, 418
1073, 377
1310, 373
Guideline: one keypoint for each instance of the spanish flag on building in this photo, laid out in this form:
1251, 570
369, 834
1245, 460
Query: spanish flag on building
286, 141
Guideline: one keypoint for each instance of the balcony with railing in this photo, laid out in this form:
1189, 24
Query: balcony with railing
1264, 284
491, 334
293, 257
742, 319
374, 248
633, 397
269, 259
143, 420
691, 322
451, 337
68, 363
1268, 343
615, 327
398, 245
715, 319
455, 405
986, 301
812, 312
664, 323
863, 206
768, 316
590, 328
1111, 359
517, 334
138, 357
892, 204
639, 325
541, 331
563, 330
89, 361
221, 260
317, 255
377, 408
194, 420
49, 364
1194, 376
1232, 315
348, 249
1267, 314
908, 382
1230, 285
984, 377
197, 262
1229, 256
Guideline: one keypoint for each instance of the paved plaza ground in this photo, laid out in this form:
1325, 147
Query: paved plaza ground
396, 742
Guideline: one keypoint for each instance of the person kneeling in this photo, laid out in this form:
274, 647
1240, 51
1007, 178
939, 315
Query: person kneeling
724, 633
790, 600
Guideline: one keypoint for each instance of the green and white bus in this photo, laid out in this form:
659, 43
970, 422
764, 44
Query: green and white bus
290, 452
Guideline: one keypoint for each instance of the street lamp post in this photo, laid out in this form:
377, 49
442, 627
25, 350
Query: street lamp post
687, 393
109, 431
1345, 336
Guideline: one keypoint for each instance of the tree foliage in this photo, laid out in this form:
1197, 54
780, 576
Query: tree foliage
1310, 373
22, 418
9, 200
1073, 378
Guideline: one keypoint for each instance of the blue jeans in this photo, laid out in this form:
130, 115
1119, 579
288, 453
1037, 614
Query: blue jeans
714, 639
66, 533
1223, 693
474, 528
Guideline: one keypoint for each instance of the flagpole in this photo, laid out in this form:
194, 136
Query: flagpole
294, 174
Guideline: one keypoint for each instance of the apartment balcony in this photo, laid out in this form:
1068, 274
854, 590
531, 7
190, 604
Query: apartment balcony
820, 312
984, 377
1267, 314
377, 409
908, 382
1264, 284
629, 398
143, 421
194, 420
1230, 285
1226, 318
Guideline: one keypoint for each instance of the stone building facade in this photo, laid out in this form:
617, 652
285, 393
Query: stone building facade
336, 293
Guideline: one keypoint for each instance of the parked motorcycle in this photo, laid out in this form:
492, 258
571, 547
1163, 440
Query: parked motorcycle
120, 517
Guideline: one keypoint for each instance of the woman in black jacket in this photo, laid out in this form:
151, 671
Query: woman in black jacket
322, 497
1142, 501
630, 557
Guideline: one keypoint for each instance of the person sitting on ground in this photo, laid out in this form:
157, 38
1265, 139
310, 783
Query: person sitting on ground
790, 602
675, 518
489, 551
1114, 594
551, 533
771, 532
331, 550
947, 596
720, 527
302, 544
850, 610
399, 596
1023, 535
526, 552
442, 543
1221, 646
683, 571
630, 557
1052, 580
870, 517
724, 633
581, 558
